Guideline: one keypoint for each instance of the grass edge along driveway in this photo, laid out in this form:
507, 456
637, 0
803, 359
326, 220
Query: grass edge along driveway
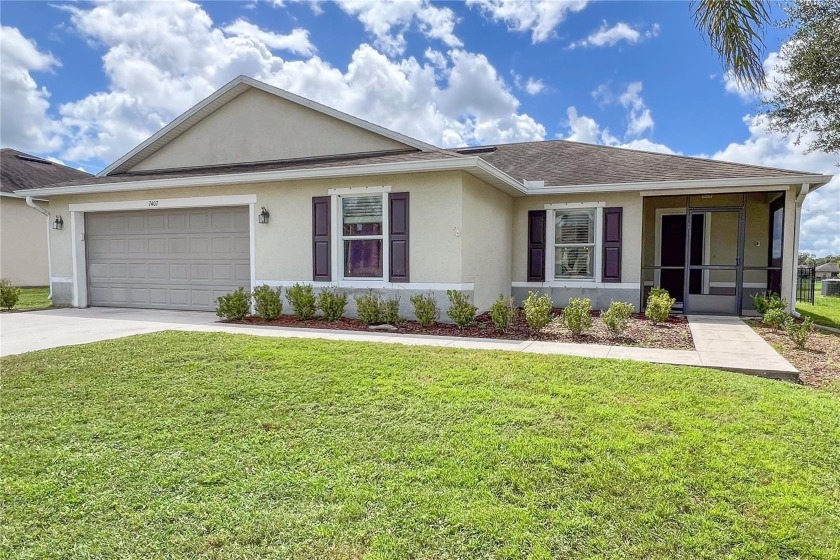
230, 446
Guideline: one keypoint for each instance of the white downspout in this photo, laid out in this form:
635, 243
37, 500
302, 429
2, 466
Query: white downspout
800, 198
46, 213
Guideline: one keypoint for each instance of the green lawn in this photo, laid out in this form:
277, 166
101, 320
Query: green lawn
222, 446
34, 298
825, 311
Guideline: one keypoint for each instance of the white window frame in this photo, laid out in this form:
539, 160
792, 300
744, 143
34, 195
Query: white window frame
338, 236
597, 273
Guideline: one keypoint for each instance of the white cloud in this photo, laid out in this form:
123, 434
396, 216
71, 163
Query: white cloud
534, 86
639, 115
531, 85
539, 17
297, 41
162, 58
608, 36
24, 120
387, 21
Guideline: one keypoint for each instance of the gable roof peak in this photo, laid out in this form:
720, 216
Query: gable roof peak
227, 93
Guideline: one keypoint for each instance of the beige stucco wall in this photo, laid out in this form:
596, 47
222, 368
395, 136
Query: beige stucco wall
258, 126
283, 247
23, 243
630, 230
487, 240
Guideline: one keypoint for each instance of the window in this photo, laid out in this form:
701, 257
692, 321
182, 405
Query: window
574, 244
362, 237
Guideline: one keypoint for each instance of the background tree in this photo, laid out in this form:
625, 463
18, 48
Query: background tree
805, 98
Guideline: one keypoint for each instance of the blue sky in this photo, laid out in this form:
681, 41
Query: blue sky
84, 83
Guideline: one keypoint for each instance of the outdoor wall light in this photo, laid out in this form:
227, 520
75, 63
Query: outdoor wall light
264, 215
58, 223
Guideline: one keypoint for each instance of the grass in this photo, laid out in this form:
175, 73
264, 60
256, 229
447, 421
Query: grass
33, 298
224, 446
825, 311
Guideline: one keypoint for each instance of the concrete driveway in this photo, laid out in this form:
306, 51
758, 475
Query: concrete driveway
37, 330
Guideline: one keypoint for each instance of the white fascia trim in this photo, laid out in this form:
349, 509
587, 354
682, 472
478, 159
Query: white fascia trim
453, 164
61, 279
565, 205
359, 190
579, 284
308, 103
161, 203
656, 186
371, 284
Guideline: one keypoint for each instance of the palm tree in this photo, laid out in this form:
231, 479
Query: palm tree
736, 31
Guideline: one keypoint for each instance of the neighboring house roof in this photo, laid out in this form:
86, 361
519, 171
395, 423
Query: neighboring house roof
20, 171
561, 162
828, 267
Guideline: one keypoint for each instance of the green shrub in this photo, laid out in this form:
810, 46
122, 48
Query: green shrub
234, 306
332, 304
302, 299
798, 332
537, 309
775, 318
617, 316
764, 302
425, 309
267, 302
577, 315
461, 310
9, 294
659, 306
389, 311
503, 313
369, 308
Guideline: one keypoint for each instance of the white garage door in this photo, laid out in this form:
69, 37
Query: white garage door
167, 259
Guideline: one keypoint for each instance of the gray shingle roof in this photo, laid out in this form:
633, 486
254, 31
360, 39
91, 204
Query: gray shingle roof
19, 171
561, 162
285, 165
828, 267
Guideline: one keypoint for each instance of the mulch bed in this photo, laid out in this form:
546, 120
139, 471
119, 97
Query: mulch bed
673, 334
818, 363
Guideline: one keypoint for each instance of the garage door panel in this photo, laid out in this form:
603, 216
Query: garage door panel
167, 259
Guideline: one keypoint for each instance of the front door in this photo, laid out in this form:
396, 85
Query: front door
672, 258
673, 254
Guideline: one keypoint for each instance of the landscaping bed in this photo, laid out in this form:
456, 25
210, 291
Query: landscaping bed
673, 334
818, 363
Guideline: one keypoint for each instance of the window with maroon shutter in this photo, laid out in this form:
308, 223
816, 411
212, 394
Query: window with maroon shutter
398, 236
321, 257
612, 244
536, 245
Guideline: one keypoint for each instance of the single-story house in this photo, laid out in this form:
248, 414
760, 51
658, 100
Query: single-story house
24, 226
827, 270
255, 185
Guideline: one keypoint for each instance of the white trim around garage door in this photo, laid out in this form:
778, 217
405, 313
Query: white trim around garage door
77, 228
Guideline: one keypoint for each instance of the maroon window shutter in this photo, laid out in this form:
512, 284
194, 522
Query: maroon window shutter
612, 244
321, 238
536, 245
398, 236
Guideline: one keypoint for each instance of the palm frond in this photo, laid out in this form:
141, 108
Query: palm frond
736, 31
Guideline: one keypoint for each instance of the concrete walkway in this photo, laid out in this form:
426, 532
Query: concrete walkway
721, 342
